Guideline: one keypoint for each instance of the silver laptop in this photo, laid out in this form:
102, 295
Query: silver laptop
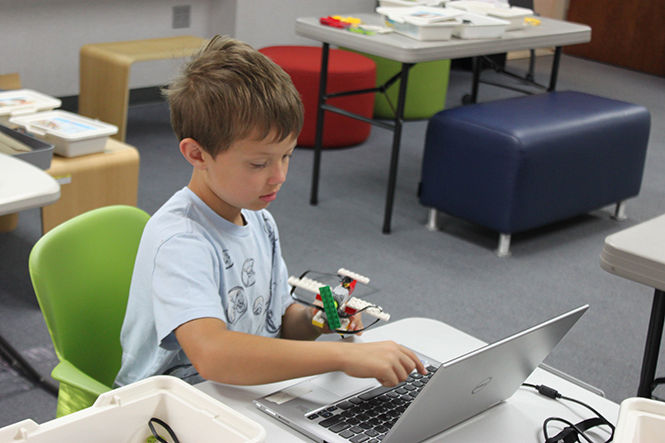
337, 408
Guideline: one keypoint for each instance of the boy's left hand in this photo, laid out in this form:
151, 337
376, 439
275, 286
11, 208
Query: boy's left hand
355, 323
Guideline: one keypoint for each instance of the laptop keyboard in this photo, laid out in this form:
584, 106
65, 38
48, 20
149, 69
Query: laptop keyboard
369, 416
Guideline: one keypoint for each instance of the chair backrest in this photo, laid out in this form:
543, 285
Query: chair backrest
81, 271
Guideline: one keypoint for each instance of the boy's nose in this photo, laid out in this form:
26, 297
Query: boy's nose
278, 175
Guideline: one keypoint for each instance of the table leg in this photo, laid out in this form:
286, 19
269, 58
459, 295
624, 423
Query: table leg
14, 358
320, 113
652, 346
555, 69
394, 156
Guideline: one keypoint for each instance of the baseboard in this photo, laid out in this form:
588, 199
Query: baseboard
137, 96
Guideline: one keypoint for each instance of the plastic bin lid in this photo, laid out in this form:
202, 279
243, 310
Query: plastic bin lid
419, 15
65, 125
25, 101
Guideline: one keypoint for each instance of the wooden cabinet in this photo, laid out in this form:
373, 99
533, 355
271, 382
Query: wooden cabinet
628, 33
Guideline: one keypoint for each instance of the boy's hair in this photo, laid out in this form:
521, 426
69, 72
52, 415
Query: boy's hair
230, 91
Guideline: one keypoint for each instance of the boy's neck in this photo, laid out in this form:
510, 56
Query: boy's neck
220, 207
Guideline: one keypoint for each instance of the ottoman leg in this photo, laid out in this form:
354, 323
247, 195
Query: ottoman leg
431, 220
620, 211
504, 245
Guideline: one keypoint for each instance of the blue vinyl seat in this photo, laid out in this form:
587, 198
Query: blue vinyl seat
516, 164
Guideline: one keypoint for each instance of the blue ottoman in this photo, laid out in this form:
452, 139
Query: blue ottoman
516, 164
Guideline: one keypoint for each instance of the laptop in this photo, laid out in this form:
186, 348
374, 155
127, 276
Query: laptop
335, 407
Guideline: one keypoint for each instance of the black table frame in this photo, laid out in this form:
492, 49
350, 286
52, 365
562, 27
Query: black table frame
395, 125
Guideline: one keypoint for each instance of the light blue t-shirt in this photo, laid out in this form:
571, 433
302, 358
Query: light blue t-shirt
192, 263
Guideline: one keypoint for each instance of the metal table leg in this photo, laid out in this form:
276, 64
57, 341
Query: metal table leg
652, 346
318, 140
394, 156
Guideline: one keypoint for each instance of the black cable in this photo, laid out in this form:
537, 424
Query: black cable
166, 427
572, 430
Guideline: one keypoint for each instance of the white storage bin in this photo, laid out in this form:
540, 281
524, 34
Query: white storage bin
408, 3
479, 26
121, 416
513, 14
71, 134
422, 22
641, 420
24, 101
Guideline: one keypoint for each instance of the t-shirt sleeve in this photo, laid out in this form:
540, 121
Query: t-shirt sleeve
185, 285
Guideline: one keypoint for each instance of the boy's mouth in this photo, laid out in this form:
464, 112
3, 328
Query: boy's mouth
269, 197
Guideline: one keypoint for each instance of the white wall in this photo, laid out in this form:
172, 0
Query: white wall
41, 38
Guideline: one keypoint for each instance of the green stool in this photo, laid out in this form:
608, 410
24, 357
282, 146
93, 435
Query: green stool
425, 93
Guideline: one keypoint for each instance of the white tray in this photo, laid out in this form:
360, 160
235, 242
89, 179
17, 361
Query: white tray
641, 420
422, 22
24, 101
71, 134
121, 416
513, 14
480, 26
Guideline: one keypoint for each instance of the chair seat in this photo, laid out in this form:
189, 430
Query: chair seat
346, 71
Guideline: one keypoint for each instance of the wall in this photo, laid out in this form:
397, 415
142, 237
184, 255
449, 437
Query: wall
42, 38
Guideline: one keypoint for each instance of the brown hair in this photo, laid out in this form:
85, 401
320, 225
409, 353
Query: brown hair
230, 91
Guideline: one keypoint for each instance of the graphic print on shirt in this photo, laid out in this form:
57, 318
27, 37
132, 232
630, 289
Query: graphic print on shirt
271, 327
237, 304
228, 262
248, 273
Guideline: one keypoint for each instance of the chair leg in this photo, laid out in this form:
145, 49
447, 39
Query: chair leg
620, 211
431, 220
504, 245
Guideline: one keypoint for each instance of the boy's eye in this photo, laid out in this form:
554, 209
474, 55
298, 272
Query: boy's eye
258, 165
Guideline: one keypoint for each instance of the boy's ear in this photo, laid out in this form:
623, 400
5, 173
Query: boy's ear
193, 152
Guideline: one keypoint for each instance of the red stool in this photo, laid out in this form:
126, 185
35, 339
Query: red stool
347, 71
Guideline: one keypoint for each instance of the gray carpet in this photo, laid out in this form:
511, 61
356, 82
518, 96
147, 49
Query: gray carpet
452, 275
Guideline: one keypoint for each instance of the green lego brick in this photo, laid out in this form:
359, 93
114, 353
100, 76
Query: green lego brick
330, 307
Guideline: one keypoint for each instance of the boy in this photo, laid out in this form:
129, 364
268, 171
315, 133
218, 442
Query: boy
209, 297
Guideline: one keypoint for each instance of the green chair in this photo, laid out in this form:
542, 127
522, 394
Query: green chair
81, 271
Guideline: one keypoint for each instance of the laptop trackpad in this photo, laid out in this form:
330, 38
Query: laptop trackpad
322, 390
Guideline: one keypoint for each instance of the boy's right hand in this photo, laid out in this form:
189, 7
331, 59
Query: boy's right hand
386, 361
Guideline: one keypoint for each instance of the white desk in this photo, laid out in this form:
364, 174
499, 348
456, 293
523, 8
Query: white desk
638, 254
409, 51
24, 186
519, 419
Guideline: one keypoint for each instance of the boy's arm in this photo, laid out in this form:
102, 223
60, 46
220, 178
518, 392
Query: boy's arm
238, 358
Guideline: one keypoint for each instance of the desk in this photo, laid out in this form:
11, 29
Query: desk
519, 419
638, 254
24, 186
409, 51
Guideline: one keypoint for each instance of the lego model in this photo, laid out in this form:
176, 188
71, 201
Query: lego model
336, 305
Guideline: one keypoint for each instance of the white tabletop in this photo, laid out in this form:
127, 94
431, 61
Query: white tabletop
519, 419
638, 253
404, 49
24, 186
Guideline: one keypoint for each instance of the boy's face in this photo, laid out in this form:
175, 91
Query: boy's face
247, 175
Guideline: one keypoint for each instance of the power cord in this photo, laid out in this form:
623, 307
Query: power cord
573, 431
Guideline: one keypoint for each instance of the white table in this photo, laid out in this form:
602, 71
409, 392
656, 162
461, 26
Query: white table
638, 254
24, 186
519, 419
409, 51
